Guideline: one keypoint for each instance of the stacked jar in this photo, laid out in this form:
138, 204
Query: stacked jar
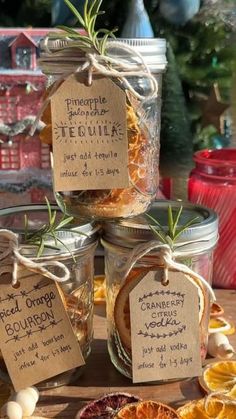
77, 254
194, 248
143, 110
132, 71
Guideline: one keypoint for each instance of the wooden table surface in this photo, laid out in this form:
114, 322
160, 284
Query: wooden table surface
101, 377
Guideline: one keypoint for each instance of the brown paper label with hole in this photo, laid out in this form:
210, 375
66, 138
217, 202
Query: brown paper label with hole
165, 332
37, 339
90, 146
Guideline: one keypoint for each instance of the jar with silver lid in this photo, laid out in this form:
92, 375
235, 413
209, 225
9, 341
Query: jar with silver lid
59, 59
75, 248
193, 248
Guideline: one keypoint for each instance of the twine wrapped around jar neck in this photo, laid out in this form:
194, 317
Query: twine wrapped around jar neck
10, 257
164, 257
104, 65
95, 63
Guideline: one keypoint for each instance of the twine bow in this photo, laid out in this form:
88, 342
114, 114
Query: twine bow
11, 257
104, 65
164, 257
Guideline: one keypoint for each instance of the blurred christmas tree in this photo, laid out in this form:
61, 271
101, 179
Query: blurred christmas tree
200, 35
205, 56
35, 13
176, 136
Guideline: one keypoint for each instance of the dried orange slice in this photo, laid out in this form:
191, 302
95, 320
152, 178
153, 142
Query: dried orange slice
216, 310
232, 393
68, 300
220, 324
192, 410
62, 295
99, 289
46, 134
147, 409
122, 309
218, 376
204, 409
47, 115
106, 406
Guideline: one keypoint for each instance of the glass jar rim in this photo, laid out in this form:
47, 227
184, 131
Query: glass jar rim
222, 157
76, 237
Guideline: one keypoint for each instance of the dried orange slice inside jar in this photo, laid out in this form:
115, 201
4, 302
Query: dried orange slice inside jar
193, 247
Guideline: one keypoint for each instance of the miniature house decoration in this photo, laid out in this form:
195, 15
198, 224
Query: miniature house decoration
21, 89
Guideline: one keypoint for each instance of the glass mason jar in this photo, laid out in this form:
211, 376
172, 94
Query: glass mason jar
213, 183
77, 292
143, 129
194, 248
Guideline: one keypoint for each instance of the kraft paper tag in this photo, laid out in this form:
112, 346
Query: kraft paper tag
165, 328
37, 339
90, 146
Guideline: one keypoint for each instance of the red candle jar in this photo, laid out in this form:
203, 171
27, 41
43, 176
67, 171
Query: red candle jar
213, 183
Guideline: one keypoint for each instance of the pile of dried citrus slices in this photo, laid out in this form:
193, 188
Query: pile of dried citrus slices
203, 409
126, 406
219, 382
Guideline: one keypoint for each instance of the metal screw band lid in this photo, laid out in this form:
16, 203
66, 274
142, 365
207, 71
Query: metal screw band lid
199, 237
153, 51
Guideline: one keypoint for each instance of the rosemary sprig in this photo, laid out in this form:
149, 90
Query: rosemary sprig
93, 39
174, 231
48, 231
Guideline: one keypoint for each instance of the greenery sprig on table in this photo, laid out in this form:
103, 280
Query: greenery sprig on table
93, 39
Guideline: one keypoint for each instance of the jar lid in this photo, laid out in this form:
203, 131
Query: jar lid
153, 51
198, 237
76, 237
217, 164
